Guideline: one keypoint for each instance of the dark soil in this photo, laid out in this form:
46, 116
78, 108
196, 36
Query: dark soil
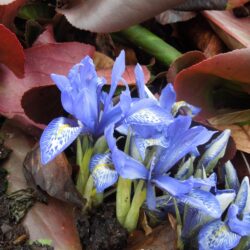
13, 208
101, 230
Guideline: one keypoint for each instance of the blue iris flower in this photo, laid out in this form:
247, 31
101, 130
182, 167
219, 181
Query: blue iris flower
223, 235
157, 117
92, 109
181, 141
82, 97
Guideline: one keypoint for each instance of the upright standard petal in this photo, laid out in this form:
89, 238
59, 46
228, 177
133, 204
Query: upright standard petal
103, 172
217, 236
140, 83
86, 110
168, 97
58, 135
61, 81
117, 71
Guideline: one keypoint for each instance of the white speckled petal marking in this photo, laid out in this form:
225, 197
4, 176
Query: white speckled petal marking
217, 236
58, 135
103, 171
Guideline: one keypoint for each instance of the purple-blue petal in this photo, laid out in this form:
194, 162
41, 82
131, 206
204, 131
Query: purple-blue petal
103, 172
61, 81
217, 236
181, 142
57, 136
116, 76
151, 198
242, 195
203, 201
67, 102
147, 119
240, 227
85, 109
127, 167
215, 151
171, 185
139, 76
168, 97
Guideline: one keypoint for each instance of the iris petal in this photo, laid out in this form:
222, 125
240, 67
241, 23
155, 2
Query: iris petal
103, 172
181, 142
217, 236
231, 177
167, 97
151, 198
127, 167
203, 201
57, 136
139, 76
142, 144
61, 81
242, 195
241, 227
216, 150
149, 121
172, 186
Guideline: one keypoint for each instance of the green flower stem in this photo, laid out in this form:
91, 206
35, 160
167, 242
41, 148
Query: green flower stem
180, 244
79, 152
123, 192
83, 175
123, 196
134, 211
151, 43
88, 192
97, 198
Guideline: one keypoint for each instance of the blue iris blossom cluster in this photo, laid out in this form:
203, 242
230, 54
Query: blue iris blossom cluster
160, 138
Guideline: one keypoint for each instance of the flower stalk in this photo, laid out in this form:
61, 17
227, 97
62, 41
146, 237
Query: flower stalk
83, 174
123, 193
134, 211
147, 40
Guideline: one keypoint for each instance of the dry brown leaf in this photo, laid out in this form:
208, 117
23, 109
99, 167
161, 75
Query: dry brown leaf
235, 32
54, 221
162, 238
231, 118
102, 61
240, 134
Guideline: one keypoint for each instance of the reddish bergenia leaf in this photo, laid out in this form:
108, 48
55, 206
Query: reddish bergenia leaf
205, 84
36, 93
184, 61
41, 61
235, 32
11, 52
54, 221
